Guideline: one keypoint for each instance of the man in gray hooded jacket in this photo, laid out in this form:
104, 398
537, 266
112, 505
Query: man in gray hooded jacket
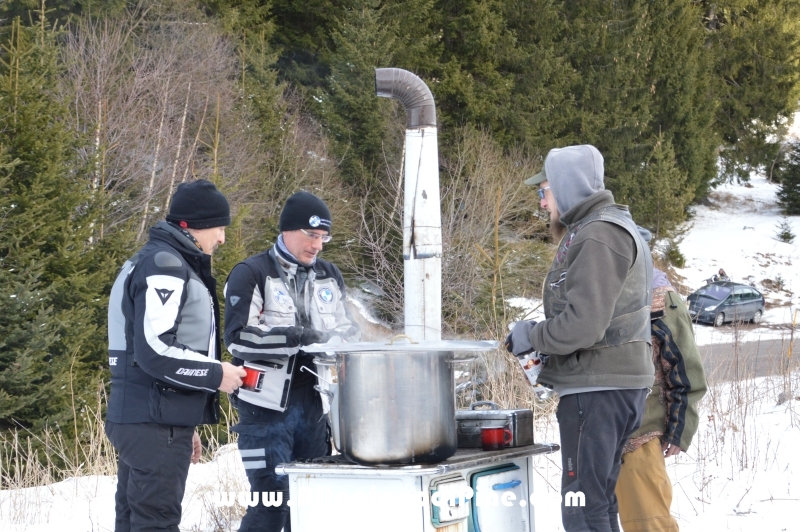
597, 299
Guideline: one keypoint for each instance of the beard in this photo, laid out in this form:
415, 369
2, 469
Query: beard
557, 229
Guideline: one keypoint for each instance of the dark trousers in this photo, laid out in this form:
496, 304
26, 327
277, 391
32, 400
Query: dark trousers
153, 466
594, 427
268, 438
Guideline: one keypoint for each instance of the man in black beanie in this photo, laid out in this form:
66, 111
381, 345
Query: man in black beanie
164, 355
277, 302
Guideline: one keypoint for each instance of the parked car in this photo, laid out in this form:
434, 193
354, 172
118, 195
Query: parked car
725, 301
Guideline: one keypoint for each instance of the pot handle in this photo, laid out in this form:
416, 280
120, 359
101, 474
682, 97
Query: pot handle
305, 368
402, 336
325, 361
492, 404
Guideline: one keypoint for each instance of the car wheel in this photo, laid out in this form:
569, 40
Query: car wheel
757, 316
719, 319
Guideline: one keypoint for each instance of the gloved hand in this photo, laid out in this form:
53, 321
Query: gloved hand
518, 341
313, 336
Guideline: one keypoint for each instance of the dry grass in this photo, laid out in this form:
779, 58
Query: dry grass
29, 461
228, 477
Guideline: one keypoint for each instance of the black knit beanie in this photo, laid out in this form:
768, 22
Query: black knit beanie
199, 205
303, 210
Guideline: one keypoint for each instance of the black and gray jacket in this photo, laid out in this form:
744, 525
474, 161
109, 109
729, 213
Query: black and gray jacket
163, 335
266, 312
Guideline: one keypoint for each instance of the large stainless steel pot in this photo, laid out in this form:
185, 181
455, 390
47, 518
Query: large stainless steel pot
396, 402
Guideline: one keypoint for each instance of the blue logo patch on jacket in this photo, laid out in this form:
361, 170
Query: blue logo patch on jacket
280, 297
325, 295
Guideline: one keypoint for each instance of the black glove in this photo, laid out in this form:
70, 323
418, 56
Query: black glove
518, 341
313, 336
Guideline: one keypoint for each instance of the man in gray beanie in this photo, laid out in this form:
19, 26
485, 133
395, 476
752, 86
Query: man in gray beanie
597, 330
164, 354
277, 302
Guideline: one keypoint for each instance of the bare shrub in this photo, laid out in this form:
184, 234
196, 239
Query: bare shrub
301, 160
158, 95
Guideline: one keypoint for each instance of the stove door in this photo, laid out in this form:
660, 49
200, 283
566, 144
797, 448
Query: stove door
500, 503
449, 498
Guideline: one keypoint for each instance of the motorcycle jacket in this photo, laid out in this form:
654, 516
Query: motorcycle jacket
266, 313
163, 334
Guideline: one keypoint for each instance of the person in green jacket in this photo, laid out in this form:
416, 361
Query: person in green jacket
644, 490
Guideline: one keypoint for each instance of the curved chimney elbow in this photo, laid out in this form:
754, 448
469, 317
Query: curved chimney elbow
412, 92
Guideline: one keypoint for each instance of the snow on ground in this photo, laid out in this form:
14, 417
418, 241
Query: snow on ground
529, 308
738, 233
76, 504
86, 504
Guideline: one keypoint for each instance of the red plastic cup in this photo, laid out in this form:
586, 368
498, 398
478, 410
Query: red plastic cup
250, 381
495, 438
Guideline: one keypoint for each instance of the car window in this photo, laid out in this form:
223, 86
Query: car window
747, 295
739, 294
714, 291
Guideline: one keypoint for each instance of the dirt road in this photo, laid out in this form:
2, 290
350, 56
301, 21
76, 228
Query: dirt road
733, 361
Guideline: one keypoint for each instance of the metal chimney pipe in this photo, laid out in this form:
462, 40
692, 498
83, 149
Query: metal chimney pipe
422, 218
412, 92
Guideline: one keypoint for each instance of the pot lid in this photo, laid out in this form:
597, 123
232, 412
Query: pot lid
402, 343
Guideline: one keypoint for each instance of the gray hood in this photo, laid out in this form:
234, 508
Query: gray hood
660, 279
574, 173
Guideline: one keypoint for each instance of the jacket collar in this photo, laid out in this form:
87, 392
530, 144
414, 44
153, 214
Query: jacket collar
599, 199
166, 232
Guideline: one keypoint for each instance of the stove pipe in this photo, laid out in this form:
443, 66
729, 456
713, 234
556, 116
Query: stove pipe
422, 218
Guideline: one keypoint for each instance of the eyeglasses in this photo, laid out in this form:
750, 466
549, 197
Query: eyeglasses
315, 236
541, 192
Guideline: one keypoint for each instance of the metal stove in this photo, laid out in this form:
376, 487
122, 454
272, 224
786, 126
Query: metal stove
472, 491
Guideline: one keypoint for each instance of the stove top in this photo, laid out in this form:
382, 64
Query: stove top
336, 459
463, 459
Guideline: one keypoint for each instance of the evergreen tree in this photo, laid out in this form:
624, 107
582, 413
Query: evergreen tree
608, 44
472, 88
52, 339
543, 105
681, 79
26, 328
784, 231
242, 16
754, 44
303, 34
361, 123
788, 174
261, 91
58, 9
661, 196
